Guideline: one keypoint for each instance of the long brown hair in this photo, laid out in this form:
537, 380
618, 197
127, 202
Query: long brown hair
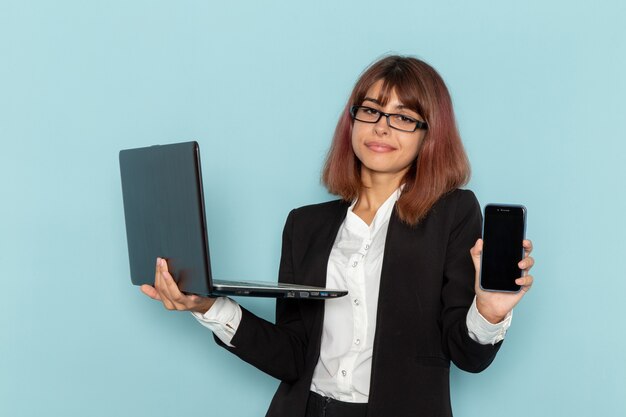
441, 165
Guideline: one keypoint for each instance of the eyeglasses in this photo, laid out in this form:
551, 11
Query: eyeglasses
397, 121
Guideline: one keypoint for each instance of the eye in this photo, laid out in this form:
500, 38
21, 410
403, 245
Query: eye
406, 119
402, 119
369, 110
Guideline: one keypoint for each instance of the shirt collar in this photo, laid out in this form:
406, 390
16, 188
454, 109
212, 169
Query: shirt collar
382, 215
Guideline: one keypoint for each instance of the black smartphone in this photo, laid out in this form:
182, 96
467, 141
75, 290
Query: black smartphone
504, 228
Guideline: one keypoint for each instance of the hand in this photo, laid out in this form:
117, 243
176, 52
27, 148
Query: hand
166, 291
494, 306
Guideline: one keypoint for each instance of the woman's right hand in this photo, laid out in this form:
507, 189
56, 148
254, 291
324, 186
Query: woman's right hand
166, 291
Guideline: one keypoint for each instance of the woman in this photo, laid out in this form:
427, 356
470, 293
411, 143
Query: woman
403, 239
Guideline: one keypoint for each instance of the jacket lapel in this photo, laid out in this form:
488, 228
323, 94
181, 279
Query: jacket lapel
315, 268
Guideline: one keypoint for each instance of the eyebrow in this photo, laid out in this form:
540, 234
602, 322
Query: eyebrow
376, 101
373, 100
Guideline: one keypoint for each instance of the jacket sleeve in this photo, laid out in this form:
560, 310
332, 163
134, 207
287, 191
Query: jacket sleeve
458, 288
276, 349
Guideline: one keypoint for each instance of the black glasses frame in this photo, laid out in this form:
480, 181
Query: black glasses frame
418, 123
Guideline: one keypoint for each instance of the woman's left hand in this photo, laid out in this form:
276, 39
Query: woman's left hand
494, 306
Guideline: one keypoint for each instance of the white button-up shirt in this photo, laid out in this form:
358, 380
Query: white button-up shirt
356, 259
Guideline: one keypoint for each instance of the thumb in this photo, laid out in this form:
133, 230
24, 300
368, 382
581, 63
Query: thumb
476, 251
150, 291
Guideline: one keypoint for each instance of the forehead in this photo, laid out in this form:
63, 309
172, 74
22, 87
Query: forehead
398, 93
383, 93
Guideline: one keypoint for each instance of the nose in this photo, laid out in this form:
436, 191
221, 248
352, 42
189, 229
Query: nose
381, 127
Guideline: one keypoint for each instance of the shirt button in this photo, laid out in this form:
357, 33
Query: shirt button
356, 301
354, 264
343, 372
358, 341
367, 247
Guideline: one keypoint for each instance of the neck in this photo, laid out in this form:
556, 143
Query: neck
375, 190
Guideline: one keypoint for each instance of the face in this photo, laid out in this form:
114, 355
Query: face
381, 149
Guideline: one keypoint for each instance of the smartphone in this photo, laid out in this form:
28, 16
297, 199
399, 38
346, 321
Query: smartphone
504, 229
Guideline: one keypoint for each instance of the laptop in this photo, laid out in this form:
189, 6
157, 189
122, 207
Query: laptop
165, 217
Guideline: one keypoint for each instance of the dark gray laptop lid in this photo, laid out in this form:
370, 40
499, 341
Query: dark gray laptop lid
164, 212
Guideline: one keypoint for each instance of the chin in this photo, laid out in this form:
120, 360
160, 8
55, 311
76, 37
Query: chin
384, 169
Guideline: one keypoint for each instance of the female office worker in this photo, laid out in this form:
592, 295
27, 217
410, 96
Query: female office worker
403, 239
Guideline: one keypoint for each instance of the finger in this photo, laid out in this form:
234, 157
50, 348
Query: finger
174, 294
528, 246
150, 291
156, 273
162, 288
158, 281
525, 282
526, 263
168, 304
477, 250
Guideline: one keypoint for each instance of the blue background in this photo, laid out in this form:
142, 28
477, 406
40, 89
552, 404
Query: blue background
539, 93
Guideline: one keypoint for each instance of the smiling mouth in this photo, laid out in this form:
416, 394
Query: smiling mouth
379, 147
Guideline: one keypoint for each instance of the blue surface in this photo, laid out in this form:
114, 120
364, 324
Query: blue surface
539, 93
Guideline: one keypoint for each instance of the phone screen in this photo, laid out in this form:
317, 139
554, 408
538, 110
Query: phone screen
503, 233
